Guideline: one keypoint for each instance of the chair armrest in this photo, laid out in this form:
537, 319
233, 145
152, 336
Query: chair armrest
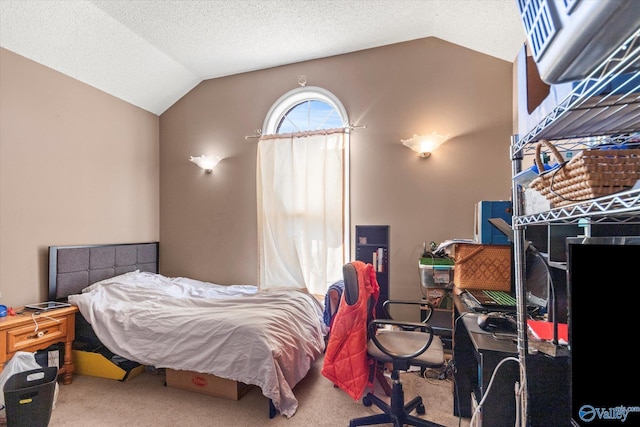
423, 304
375, 324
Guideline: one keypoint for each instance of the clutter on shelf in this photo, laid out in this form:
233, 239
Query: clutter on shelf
590, 174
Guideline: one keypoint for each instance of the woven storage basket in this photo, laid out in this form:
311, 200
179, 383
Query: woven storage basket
482, 266
590, 174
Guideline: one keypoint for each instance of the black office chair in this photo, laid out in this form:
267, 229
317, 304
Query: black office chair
409, 344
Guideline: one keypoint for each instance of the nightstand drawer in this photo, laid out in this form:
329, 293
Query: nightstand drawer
47, 330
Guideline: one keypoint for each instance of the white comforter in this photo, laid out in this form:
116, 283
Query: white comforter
268, 339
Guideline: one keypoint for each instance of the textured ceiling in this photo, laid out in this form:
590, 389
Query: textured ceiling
152, 52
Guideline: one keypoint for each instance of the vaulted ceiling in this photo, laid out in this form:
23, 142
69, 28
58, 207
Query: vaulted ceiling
152, 52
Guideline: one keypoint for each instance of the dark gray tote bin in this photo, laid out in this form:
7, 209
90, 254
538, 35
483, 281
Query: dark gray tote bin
28, 397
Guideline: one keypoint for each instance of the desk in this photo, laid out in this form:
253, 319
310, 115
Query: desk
476, 353
18, 333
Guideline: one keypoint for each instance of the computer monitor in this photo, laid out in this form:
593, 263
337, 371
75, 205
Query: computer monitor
602, 278
536, 279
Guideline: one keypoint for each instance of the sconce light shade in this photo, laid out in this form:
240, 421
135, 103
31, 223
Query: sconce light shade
205, 162
424, 145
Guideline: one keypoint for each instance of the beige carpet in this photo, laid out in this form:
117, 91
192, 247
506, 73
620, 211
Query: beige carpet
146, 401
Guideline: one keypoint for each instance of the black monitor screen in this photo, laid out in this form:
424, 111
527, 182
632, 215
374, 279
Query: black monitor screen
536, 279
603, 329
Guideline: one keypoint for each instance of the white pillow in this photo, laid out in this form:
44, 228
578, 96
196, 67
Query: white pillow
109, 280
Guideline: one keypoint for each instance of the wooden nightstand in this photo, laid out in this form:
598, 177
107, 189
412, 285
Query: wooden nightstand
19, 333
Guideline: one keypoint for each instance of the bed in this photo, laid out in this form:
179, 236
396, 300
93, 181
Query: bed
267, 339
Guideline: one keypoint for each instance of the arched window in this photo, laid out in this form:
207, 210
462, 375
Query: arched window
303, 207
305, 109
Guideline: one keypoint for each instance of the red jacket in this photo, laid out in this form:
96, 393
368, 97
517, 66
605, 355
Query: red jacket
346, 361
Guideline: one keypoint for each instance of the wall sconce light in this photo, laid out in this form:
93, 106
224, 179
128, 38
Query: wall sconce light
205, 162
424, 145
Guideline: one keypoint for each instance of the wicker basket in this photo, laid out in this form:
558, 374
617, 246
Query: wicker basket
590, 174
482, 266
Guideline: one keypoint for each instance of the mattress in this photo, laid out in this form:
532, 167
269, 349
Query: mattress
268, 339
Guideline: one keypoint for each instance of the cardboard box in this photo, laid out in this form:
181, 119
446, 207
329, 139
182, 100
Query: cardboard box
440, 298
96, 364
207, 384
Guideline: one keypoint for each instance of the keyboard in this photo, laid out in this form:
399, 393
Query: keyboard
501, 297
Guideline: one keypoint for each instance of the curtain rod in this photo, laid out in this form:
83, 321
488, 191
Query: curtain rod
258, 133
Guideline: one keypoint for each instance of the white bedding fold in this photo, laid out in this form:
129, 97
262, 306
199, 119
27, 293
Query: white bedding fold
267, 339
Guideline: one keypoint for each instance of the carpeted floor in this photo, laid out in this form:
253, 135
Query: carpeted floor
145, 401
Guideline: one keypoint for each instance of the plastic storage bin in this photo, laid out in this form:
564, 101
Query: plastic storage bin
436, 272
29, 396
569, 38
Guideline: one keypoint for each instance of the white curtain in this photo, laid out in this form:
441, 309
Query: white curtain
300, 210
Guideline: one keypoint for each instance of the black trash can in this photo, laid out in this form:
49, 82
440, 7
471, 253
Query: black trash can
28, 397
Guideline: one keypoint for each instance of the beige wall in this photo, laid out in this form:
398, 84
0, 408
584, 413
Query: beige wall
208, 222
77, 166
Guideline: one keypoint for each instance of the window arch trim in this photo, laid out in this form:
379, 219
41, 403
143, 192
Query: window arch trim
294, 97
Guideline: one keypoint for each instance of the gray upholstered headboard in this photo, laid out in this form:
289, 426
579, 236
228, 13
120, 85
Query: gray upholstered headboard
73, 268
